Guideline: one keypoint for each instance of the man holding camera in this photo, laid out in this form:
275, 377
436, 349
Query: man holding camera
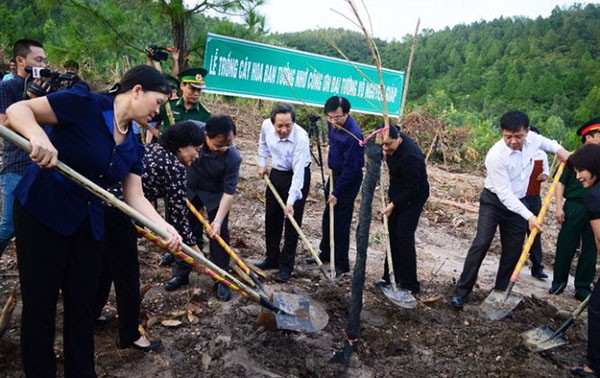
26, 53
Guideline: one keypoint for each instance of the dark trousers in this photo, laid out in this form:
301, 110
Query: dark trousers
121, 266
274, 220
49, 263
218, 255
534, 204
342, 214
402, 225
492, 213
575, 229
593, 347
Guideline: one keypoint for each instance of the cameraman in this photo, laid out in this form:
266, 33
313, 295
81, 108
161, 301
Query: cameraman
26, 52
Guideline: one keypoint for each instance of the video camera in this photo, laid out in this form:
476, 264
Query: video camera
313, 128
54, 80
158, 53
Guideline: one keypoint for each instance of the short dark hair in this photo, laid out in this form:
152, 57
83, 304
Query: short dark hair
23, 47
586, 157
220, 125
335, 102
181, 134
282, 109
148, 77
590, 134
514, 121
393, 131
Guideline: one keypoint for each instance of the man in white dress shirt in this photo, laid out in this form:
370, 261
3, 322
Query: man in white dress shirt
509, 164
288, 145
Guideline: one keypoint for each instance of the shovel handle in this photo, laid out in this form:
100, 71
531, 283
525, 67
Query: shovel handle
297, 227
331, 231
540, 219
386, 233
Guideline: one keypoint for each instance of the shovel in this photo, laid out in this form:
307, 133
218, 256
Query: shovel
296, 316
298, 230
331, 232
543, 338
397, 296
501, 303
228, 249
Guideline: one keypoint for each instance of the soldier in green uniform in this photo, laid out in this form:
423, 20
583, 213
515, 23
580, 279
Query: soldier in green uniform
575, 229
187, 107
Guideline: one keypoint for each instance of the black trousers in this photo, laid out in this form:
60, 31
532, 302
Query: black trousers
593, 347
121, 265
218, 255
342, 214
274, 220
49, 263
493, 214
402, 225
534, 204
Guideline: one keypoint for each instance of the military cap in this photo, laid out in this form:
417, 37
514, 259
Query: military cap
591, 125
194, 76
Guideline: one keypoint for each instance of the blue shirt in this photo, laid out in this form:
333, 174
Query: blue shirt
84, 139
14, 159
346, 156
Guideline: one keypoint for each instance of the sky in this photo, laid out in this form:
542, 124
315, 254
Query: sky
393, 19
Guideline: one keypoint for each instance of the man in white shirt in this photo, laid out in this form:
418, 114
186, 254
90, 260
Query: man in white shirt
509, 164
288, 145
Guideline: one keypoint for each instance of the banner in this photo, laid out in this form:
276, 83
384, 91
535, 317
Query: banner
248, 69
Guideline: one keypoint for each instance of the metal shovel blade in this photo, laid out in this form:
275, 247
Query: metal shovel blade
542, 338
299, 313
497, 306
399, 297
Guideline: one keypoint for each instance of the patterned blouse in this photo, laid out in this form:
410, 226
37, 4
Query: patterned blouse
165, 177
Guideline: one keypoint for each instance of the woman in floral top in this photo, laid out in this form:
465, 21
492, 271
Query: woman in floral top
164, 177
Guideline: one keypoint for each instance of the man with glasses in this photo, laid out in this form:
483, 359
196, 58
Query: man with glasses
26, 53
346, 160
211, 181
509, 164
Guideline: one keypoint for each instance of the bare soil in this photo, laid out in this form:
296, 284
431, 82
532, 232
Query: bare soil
216, 339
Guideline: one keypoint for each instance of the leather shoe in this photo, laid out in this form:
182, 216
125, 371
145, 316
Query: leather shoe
557, 288
579, 371
457, 301
539, 274
103, 320
222, 292
339, 272
581, 296
282, 276
265, 265
167, 259
381, 283
153, 345
176, 282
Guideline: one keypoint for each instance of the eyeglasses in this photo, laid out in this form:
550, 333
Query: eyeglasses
336, 117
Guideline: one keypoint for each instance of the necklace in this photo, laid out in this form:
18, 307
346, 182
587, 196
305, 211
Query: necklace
119, 129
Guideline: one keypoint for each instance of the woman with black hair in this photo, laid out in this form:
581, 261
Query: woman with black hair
164, 176
59, 225
586, 163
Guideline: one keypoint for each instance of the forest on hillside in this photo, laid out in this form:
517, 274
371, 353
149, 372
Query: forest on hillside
468, 75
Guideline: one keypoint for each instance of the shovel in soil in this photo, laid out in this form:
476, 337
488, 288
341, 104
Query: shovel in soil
314, 254
543, 338
399, 297
501, 303
297, 316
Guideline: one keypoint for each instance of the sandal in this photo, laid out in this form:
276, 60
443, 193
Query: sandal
580, 371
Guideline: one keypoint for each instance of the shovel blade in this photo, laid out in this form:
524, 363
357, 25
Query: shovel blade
300, 314
497, 306
542, 338
401, 298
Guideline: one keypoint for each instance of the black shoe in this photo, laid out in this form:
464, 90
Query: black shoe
176, 282
153, 345
539, 274
222, 292
103, 320
282, 276
167, 259
339, 272
457, 301
313, 261
265, 265
581, 296
381, 283
581, 372
557, 288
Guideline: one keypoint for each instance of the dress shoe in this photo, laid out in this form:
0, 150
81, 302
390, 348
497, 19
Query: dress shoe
167, 259
153, 345
176, 282
539, 274
265, 265
581, 372
339, 272
581, 295
557, 288
103, 320
457, 301
282, 276
381, 283
222, 292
